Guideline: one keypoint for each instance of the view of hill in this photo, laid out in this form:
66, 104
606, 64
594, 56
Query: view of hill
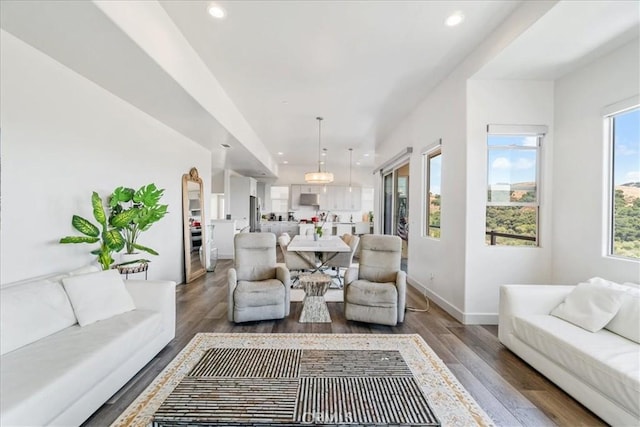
626, 221
630, 191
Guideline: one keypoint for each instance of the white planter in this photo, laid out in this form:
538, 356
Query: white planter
125, 257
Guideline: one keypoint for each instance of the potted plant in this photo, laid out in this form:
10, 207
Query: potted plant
133, 212
319, 228
110, 238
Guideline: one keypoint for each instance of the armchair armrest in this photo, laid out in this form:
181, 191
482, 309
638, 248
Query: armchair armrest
156, 295
232, 282
350, 275
519, 300
284, 275
401, 285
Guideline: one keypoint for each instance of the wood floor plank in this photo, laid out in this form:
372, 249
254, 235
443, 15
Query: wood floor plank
505, 386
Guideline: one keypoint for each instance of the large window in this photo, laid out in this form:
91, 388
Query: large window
279, 199
624, 142
513, 164
433, 173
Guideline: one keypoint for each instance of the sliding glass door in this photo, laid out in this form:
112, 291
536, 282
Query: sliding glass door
395, 190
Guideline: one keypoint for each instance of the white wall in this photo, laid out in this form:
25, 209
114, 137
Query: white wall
438, 266
487, 267
64, 137
580, 171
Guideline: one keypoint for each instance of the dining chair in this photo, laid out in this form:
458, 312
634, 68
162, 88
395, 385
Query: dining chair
343, 259
294, 261
258, 288
375, 291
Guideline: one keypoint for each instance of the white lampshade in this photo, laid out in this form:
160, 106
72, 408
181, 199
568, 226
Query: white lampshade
318, 177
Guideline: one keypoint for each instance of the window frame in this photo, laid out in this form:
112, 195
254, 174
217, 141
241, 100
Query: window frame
429, 153
609, 114
285, 200
537, 131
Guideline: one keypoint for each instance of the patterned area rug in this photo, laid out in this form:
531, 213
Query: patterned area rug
301, 379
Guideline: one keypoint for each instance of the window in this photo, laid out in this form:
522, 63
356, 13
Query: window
513, 181
433, 174
624, 143
279, 199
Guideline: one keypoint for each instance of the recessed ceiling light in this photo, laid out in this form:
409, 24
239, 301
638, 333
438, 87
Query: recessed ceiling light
366, 154
454, 19
286, 162
280, 153
217, 11
358, 163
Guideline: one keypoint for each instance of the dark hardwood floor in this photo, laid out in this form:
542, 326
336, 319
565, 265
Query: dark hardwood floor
510, 391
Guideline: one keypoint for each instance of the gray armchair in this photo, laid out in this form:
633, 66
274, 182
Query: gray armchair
375, 292
258, 287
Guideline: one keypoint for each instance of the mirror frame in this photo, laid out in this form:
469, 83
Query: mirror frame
193, 176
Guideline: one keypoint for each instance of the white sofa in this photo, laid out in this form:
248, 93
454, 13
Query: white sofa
54, 371
599, 369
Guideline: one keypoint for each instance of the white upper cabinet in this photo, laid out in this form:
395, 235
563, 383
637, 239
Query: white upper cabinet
335, 198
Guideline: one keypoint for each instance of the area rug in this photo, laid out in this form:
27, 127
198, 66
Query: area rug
302, 379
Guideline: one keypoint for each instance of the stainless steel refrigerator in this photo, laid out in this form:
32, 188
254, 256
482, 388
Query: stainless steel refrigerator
254, 214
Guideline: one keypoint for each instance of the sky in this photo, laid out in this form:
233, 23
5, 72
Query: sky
511, 166
626, 153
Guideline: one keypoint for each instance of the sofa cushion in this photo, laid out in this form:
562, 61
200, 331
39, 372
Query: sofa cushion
42, 379
364, 292
626, 322
31, 311
606, 361
590, 306
261, 293
97, 296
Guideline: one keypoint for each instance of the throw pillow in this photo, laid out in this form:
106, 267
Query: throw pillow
97, 296
31, 311
590, 306
626, 322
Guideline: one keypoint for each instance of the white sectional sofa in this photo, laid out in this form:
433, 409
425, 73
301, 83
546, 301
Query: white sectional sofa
600, 369
53, 371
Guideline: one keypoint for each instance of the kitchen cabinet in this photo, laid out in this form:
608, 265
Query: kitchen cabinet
335, 198
279, 227
297, 189
339, 198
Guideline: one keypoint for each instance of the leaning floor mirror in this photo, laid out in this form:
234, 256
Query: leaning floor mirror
194, 227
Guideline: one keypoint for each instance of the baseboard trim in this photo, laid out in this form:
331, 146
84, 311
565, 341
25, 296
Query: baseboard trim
442, 303
481, 319
456, 313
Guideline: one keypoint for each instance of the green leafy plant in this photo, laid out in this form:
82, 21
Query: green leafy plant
109, 238
319, 228
133, 212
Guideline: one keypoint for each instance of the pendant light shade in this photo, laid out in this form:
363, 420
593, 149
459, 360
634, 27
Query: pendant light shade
319, 177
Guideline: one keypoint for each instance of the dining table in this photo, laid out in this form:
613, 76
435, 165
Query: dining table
309, 246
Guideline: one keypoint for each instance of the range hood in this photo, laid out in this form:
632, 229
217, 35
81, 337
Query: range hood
309, 199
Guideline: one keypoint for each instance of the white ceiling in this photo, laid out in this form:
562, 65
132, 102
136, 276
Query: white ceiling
363, 66
569, 36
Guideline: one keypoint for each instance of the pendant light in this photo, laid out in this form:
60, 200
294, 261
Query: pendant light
319, 177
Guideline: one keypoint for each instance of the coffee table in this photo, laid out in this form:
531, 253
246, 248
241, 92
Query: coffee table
314, 309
